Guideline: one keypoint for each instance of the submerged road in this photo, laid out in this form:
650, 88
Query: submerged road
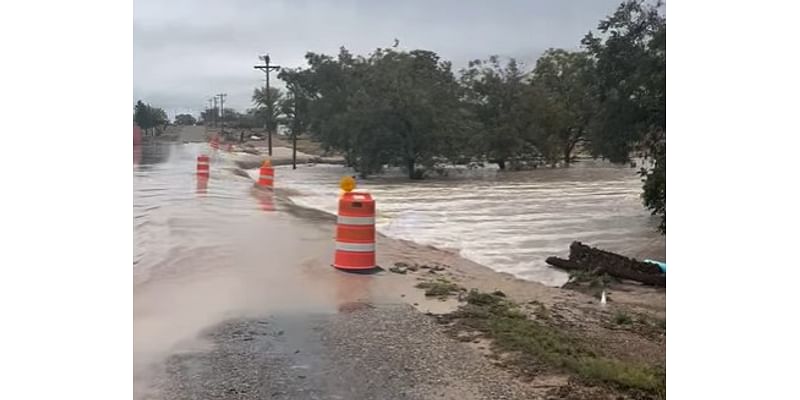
234, 298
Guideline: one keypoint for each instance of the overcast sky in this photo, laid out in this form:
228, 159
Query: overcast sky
184, 52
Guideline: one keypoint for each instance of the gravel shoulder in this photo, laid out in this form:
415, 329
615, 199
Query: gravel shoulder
363, 352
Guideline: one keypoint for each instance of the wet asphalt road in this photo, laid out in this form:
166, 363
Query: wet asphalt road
363, 352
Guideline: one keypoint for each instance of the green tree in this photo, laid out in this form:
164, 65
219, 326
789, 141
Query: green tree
411, 102
230, 116
209, 116
391, 108
294, 105
148, 117
497, 96
185, 119
142, 116
266, 103
655, 185
630, 57
566, 106
328, 86
248, 120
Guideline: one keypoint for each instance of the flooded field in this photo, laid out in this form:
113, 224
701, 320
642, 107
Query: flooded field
508, 221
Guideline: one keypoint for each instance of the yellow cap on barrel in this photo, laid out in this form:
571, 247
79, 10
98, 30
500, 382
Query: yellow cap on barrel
347, 183
266, 163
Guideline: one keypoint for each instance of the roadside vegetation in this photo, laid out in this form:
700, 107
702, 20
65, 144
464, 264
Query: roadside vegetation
534, 346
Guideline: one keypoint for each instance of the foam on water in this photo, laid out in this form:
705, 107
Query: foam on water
508, 221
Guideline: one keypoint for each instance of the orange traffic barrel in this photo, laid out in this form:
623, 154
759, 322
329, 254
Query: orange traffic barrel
215, 142
266, 201
202, 166
266, 175
202, 184
355, 232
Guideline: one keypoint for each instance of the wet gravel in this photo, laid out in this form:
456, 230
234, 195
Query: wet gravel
364, 352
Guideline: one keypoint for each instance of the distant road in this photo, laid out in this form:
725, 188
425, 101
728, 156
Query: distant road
193, 134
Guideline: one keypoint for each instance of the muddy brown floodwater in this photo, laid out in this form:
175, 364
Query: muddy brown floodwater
508, 221
234, 296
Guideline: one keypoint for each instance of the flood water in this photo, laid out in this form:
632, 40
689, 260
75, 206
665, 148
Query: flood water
207, 251
508, 221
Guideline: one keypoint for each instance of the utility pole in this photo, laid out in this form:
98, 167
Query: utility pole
215, 111
206, 119
267, 68
222, 108
295, 125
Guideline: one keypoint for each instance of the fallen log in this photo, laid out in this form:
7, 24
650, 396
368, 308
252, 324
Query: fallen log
585, 258
564, 264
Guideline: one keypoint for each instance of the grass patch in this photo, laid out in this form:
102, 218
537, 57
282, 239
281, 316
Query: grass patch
535, 345
621, 318
439, 288
542, 312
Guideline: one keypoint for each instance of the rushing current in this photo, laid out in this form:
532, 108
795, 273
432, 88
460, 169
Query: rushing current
507, 221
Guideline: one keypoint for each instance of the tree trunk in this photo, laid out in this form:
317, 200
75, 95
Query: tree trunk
582, 257
410, 165
501, 164
567, 155
568, 151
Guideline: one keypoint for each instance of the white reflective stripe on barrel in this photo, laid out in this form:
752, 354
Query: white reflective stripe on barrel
355, 220
356, 247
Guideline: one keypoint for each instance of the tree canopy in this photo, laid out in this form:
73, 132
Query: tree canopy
408, 109
264, 104
148, 117
630, 57
185, 119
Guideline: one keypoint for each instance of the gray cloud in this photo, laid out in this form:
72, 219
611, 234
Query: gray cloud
186, 51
